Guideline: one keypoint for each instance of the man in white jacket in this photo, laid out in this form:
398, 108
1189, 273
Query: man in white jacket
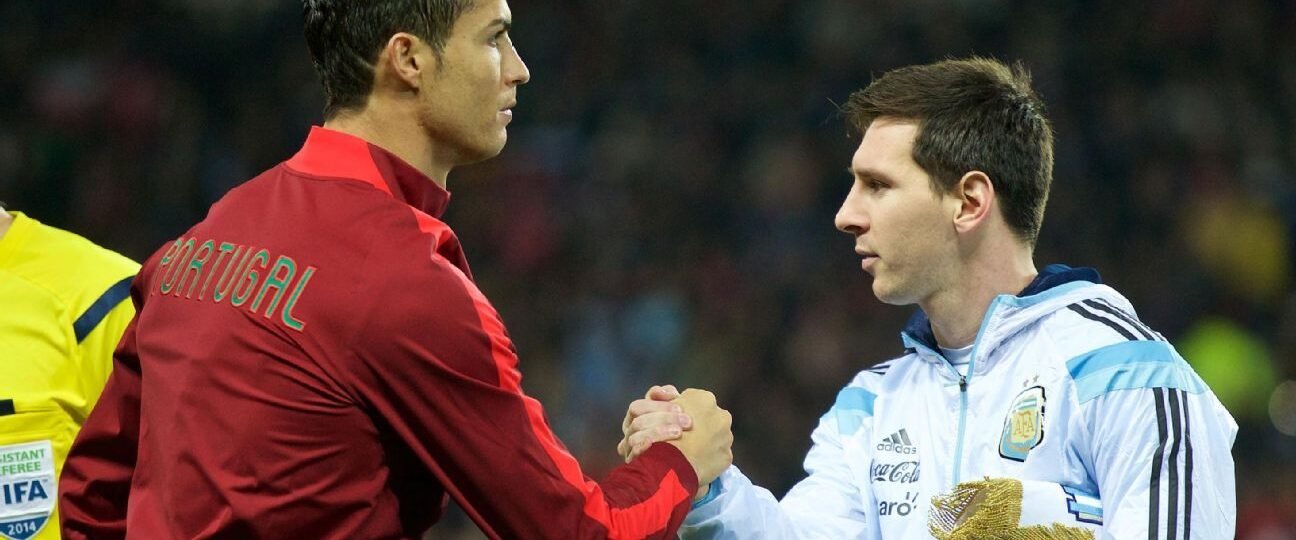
1009, 372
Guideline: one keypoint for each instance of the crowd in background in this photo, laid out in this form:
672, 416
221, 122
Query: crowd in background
663, 211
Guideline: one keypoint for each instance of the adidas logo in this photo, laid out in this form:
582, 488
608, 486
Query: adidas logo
899, 443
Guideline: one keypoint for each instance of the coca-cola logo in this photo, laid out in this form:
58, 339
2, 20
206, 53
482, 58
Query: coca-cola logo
905, 472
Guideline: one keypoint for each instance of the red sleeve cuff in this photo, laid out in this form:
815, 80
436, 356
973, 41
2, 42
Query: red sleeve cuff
673, 459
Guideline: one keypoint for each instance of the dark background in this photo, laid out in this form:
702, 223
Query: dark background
663, 212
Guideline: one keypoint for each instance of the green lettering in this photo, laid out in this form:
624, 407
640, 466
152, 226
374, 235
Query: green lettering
288, 318
170, 252
195, 267
250, 279
225, 249
227, 280
278, 283
168, 279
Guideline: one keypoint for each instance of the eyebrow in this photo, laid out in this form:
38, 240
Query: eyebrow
507, 24
866, 173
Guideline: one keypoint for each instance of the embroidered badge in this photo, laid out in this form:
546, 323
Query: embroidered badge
27, 489
1024, 426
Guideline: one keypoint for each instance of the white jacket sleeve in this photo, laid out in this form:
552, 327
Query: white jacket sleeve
1160, 443
827, 504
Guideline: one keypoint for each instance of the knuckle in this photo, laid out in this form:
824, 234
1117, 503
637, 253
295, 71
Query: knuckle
641, 423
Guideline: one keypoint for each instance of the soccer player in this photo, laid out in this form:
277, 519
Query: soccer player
1009, 372
63, 307
313, 359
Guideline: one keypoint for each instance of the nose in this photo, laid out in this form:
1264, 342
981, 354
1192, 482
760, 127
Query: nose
515, 70
851, 218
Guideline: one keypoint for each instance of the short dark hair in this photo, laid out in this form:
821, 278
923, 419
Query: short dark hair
972, 114
345, 38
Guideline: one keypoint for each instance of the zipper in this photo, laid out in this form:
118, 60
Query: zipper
963, 386
963, 408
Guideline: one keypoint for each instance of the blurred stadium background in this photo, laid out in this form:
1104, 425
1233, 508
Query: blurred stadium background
663, 212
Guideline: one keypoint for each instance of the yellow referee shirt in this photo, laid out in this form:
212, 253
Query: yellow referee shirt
64, 303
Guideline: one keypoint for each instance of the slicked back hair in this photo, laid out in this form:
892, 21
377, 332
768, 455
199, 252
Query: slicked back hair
974, 114
345, 38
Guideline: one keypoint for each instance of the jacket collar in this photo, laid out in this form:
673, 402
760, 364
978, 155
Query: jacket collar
918, 332
332, 154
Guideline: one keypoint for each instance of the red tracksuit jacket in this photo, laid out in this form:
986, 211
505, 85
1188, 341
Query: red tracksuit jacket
313, 360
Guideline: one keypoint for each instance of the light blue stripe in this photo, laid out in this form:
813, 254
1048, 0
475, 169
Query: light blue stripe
852, 407
1078, 507
1131, 365
1121, 353
855, 399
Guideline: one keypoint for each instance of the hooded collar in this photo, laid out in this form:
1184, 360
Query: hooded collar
332, 154
918, 331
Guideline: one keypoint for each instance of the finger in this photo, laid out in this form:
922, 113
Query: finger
663, 393
655, 420
636, 451
640, 407
657, 434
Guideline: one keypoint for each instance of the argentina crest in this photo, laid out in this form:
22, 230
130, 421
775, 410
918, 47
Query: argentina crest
1024, 425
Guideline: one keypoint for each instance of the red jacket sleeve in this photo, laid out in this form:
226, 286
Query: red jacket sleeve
96, 479
433, 360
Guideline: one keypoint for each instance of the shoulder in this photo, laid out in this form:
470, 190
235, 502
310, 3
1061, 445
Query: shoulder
854, 402
73, 269
1105, 347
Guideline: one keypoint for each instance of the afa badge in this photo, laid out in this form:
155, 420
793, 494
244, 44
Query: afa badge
1024, 426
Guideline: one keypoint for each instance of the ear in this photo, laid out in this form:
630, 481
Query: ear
975, 195
405, 60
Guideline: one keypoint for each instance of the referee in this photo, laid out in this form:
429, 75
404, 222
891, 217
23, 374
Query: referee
63, 306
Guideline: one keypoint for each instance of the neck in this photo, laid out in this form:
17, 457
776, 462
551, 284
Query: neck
390, 128
956, 314
6, 219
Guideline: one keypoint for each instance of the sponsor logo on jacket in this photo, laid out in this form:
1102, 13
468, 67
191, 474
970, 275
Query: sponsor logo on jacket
899, 443
903, 473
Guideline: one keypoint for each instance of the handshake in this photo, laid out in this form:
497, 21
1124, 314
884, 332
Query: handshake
690, 421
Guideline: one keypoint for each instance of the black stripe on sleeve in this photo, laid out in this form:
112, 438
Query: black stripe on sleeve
1127, 317
1110, 323
880, 369
95, 314
1154, 490
1122, 316
1188, 469
1172, 507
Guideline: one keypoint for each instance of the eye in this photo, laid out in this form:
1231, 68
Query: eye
494, 41
874, 185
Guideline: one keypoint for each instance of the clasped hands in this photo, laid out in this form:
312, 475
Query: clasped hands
691, 421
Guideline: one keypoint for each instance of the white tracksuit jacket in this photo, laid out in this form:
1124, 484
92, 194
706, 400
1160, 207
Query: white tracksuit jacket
1065, 386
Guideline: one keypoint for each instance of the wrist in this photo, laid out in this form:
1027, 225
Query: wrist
707, 493
702, 492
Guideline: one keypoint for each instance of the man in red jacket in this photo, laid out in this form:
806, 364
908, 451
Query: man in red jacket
313, 360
